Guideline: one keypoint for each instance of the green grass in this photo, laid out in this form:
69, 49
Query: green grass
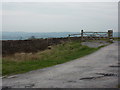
118, 86
58, 54
0, 67
116, 38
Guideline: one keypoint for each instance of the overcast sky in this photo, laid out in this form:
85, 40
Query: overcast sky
59, 17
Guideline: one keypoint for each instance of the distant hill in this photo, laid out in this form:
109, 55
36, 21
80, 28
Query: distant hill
26, 35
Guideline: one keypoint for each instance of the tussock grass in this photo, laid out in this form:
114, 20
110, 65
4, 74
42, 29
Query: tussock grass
24, 62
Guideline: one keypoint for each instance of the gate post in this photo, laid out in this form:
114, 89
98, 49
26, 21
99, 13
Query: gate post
110, 35
69, 37
81, 35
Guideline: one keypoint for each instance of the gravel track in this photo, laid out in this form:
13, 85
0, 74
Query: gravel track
97, 70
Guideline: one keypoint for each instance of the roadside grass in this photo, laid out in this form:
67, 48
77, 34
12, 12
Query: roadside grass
116, 38
0, 67
99, 40
58, 54
118, 86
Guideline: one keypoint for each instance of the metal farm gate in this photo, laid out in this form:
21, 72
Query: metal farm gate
94, 35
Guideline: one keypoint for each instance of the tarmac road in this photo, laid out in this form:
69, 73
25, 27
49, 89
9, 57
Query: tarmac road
97, 70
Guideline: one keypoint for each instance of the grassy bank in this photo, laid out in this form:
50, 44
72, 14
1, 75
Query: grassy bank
116, 38
24, 62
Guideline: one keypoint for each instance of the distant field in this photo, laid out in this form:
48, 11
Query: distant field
24, 62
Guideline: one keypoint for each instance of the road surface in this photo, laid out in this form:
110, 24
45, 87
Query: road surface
97, 70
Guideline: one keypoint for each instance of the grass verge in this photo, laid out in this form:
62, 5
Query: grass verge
20, 63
